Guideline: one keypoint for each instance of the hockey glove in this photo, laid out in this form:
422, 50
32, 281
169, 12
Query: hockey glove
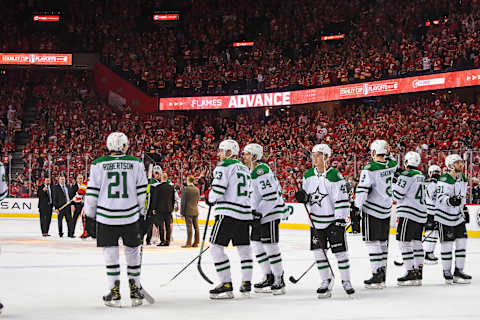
143, 220
435, 177
301, 196
396, 175
207, 194
455, 201
91, 226
256, 215
354, 210
466, 215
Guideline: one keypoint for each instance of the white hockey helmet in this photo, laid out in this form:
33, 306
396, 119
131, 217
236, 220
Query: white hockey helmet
322, 148
231, 145
378, 148
157, 169
412, 159
255, 150
117, 141
434, 168
451, 159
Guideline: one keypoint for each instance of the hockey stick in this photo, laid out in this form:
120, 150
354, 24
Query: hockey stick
293, 280
184, 268
400, 263
145, 293
199, 264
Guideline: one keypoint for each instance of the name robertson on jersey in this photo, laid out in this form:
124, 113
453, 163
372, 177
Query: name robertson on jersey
118, 166
387, 173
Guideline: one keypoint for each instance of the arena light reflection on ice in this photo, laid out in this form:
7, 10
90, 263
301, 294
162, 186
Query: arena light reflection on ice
352, 91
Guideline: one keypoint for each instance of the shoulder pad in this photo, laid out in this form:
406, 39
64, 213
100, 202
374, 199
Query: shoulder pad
228, 162
374, 166
333, 175
392, 163
260, 170
411, 173
310, 173
447, 178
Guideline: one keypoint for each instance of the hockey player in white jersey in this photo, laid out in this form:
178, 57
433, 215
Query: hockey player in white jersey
451, 217
3, 195
373, 197
268, 208
115, 198
431, 227
230, 193
324, 191
409, 192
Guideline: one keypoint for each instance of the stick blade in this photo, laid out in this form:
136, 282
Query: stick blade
292, 279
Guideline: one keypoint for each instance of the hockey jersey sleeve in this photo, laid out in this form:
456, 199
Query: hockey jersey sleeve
93, 190
219, 184
141, 184
3, 183
431, 189
341, 198
363, 188
444, 192
400, 188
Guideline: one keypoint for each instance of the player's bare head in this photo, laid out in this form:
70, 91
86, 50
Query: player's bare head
454, 162
164, 177
379, 149
61, 180
321, 154
228, 149
252, 152
117, 142
80, 178
47, 181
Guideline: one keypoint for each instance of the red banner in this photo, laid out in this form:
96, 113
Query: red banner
243, 44
36, 59
166, 17
352, 91
46, 18
335, 37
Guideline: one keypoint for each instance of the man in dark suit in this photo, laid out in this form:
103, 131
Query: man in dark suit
45, 206
77, 206
61, 195
189, 210
162, 202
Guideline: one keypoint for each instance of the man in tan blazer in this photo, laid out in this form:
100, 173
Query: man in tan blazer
189, 210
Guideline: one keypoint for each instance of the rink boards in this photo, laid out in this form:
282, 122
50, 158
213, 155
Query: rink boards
28, 208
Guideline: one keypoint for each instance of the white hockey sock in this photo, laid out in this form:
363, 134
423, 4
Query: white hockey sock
322, 264
262, 257
343, 265
460, 253
418, 254
112, 263
430, 240
134, 263
407, 254
246, 262
384, 247
275, 259
376, 255
447, 248
221, 262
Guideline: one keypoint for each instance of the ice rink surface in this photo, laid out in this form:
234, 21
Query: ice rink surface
52, 278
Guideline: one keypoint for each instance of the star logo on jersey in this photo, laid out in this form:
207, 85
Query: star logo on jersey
315, 240
317, 197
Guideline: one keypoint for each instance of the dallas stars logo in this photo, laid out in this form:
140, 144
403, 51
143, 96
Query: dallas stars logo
317, 197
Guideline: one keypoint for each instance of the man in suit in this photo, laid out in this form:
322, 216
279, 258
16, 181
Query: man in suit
189, 210
152, 219
61, 195
77, 206
162, 202
45, 206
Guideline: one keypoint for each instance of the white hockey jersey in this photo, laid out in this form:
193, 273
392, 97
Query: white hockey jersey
447, 187
116, 190
231, 188
409, 191
329, 199
267, 195
3, 183
431, 196
374, 190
